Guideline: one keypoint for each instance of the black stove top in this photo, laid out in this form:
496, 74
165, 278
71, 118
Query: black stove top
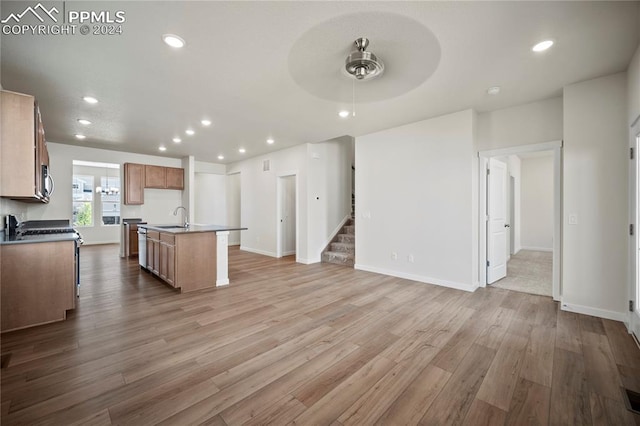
46, 231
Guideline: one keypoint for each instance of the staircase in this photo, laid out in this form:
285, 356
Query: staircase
342, 249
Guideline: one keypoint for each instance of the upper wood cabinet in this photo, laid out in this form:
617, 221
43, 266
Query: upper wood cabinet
175, 178
163, 177
155, 177
140, 176
23, 149
133, 183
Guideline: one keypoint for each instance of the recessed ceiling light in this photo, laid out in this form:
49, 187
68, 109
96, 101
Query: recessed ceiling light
494, 90
190, 132
90, 100
270, 141
78, 136
83, 121
242, 150
162, 148
343, 114
542, 46
220, 157
206, 122
173, 40
177, 140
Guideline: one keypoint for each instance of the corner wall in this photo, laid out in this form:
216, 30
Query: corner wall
595, 188
415, 189
536, 198
323, 196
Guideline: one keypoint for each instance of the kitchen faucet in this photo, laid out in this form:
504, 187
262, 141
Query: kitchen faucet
186, 215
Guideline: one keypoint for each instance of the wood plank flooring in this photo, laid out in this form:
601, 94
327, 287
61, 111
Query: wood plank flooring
322, 344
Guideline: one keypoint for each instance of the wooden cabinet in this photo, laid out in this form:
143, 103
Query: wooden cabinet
167, 258
134, 183
153, 251
174, 178
23, 149
155, 177
137, 177
40, 292
187, 261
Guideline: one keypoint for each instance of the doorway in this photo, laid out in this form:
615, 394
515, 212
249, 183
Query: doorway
531, 264
287, 215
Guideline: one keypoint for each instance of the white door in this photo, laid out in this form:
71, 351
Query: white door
288, 215
634, 320
497, 221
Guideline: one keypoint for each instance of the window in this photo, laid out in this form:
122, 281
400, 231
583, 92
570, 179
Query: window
110, 200
82, 200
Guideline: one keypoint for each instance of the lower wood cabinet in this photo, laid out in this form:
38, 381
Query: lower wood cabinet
167, 270
38, 283
185, 260
153, 251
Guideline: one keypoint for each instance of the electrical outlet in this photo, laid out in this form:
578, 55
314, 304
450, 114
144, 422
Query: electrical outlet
573, 219
410, 258
394, 255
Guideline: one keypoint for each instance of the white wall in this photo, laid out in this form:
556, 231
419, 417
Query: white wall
323, 185
415, 189
210, 199
595, 269
531, 123
329, 189
536, 202
514, 165
234, 207
633, 87
258, 199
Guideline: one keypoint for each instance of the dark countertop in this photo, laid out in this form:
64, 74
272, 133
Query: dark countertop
49, 238
177, 229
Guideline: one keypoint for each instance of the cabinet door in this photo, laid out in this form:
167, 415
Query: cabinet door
155, 177
133, 183
17, 143
150, 255
171, 265
156, 257
133, 242
175, 178
163, 261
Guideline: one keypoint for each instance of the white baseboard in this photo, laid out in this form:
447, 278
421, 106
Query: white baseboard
233, 244
419, 278
96, 243
289, 253
594, 312
536, 249
308, 261
258, 251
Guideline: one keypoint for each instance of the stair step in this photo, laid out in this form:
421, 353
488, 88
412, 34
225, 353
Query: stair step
338, 258
346, 238
343, 247
349, 229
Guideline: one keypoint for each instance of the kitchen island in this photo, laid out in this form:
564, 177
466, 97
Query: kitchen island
189, 258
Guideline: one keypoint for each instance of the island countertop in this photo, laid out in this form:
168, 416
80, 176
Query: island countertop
179, 229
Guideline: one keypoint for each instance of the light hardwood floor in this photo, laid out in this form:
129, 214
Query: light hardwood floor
314, 344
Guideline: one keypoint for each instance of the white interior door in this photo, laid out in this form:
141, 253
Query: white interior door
288, 215
634, 320
497, 221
